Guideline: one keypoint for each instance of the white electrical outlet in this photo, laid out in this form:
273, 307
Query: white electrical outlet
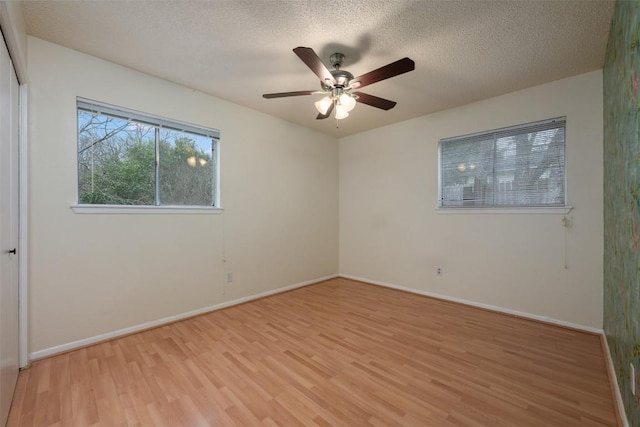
439, 271
632, 378
229, 276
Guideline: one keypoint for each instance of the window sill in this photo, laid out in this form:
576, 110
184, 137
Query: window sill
556, 210
124, 209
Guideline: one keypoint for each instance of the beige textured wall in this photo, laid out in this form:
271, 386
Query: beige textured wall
94, 274
390, 231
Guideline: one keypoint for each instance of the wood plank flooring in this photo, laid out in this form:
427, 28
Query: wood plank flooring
337, 353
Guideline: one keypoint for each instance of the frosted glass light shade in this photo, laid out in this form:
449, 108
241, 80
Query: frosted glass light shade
347, 102
341, 112
323, 105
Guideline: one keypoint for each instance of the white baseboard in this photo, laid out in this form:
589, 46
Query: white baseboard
517, 313
613, 377
155, 323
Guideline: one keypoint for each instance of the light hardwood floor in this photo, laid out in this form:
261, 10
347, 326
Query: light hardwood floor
337, 353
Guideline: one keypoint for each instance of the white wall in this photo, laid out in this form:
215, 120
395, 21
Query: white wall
94, 274
390, 231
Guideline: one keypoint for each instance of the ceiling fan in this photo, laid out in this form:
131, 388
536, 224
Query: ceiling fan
339, 85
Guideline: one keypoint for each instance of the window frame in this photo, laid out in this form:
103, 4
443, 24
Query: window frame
96, 107
510, 209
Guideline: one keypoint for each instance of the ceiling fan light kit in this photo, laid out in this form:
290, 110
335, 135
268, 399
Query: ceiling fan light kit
338, 85
342, 103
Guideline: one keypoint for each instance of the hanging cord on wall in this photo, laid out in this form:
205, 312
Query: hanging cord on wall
224, 256
567, 222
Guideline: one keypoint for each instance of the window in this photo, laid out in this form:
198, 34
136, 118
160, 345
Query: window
128, 158
522, 166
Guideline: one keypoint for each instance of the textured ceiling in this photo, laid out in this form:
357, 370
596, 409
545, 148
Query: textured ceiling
237, 50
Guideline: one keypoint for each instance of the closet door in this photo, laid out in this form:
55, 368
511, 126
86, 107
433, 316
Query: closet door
9, 226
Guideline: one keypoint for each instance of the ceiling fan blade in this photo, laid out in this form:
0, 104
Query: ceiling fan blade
312, 60
401, 66
325, 115
375, 101
284, 94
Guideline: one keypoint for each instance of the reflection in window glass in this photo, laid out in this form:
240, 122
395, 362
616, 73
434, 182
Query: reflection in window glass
186, 168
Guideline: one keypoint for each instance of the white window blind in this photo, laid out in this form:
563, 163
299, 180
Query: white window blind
520, 166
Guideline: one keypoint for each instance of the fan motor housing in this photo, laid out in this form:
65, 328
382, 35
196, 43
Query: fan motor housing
343, 77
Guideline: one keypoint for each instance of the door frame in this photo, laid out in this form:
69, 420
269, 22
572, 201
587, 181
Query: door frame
23, 200
13, 29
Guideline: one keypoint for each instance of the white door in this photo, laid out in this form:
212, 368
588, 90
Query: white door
9, 302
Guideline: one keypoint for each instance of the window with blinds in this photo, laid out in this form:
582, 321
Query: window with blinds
520, 166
